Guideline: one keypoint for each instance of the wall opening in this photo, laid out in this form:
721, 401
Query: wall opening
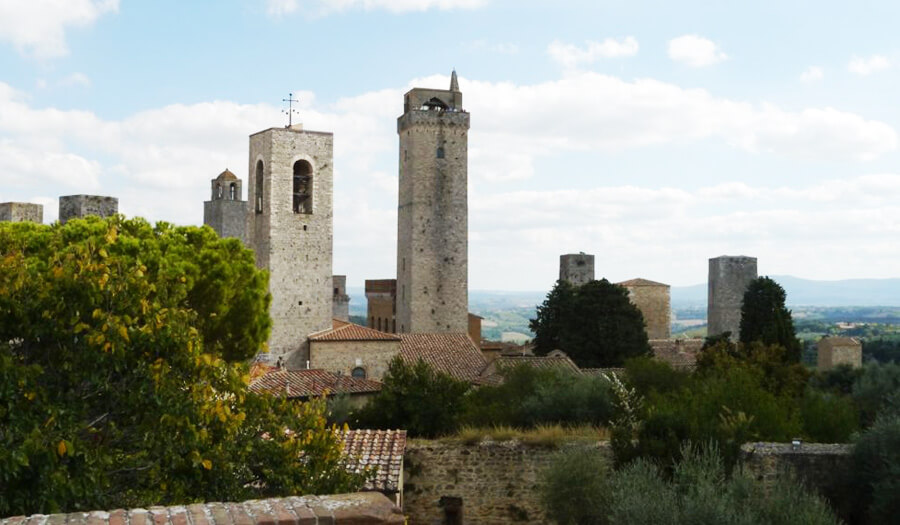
259, 186
358, 372
440, 152
302, 187
233, 191
218, 190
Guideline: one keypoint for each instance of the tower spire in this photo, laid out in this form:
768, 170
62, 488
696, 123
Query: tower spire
454, 83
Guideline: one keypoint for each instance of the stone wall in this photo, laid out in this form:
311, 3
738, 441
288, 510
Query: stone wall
381, 304
836, 351
227, 217
340, 299
496, 482
367, 508
344, 356
577, 268
21, 211
728, 280
79, 206
652, 299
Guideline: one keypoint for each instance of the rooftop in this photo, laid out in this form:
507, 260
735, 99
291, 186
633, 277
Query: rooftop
309, 383
453, 354
382, 449
344, 331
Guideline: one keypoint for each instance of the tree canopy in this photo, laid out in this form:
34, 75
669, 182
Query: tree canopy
765, 319
595, 324
122, 381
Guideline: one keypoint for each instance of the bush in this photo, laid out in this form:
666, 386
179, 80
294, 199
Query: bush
647, 375
828, 417
575, 489
839, 379
876, 391
876, 463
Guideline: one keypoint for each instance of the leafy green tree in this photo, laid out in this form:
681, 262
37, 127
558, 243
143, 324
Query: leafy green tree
416, 397
876, 471
595, 324
764, 318
116, 386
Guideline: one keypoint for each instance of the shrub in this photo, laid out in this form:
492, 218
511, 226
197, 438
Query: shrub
648, 375
828, 417
876, 390
839, 379
574, 489
876, 463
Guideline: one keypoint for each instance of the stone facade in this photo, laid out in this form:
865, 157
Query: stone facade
475, 329
290, 227
729, 277
652, 299
78, 206
577, 268
21, 212
226, 211
343, 356
381, 304
836, 351
490, 482
340, 300
432, 216
367, 508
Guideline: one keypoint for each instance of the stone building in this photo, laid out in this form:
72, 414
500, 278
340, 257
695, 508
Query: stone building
290, 228
729, 277
353, 350
652, 299
577, 268
21, 211
340, 299
432, 216
836, 351
226, 211
78, 206
381, 307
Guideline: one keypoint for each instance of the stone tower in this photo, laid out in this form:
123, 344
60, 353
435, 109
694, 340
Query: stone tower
432, 217
226, 211
653, 300
381, 304
341, 301
78, 206
729, 277
577, 268
289, 226
21, 211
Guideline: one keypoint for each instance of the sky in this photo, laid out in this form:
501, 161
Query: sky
652, 134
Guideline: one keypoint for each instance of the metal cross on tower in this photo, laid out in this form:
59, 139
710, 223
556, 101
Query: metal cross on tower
290, 111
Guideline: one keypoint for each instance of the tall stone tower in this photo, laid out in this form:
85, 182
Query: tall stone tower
340, 300
432, 218
729, 277
226, 211
577, 268
21, 211
290, 229
653, 300
79, 206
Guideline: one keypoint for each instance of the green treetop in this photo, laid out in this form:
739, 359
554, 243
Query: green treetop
764, 318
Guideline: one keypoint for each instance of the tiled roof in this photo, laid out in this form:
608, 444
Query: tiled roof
840, 340
492, 375
307, 383
227, 175
680, 353
641, 282
344, 331
382, 449
453, 354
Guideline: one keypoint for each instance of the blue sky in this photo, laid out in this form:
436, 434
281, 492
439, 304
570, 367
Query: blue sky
654, 135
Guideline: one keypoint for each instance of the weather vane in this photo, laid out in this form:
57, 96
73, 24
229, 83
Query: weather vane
290, 111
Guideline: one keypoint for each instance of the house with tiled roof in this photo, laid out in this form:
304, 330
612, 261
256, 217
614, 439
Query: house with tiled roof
382, 451
452, 353
353, 350
305, 384
561, 362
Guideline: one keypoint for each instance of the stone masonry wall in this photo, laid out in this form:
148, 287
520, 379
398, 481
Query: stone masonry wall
341, 301
653, 302
577, 268
78, 206
432, 221
366, 508
498, 482
227, 217
296, 248
21, 211
344, 356
728, 280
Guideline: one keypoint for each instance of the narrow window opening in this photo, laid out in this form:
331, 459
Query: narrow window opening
218, 191
358, 372
394, 326
440, 152
259, 186
233, 191
302, 187
379, 323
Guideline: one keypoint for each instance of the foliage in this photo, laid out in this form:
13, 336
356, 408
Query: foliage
575, 489
828, 417
595, 324
768, 361
883, 350
532, 396
839, 379
877, 390
116, 388
764, 318
648, 375
551, 436
416, 397
876, 462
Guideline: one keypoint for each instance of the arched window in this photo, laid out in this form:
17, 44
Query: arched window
302, 187
379, 323
394, 326
358, 372
259, 186
218, 190
233, 190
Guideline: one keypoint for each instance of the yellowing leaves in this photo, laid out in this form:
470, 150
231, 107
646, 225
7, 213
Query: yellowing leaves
207, 464
64, 447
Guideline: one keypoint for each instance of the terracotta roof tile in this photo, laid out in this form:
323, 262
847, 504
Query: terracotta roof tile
344, 331
382, 449
307, 383
227, 175
453, 354
641, 282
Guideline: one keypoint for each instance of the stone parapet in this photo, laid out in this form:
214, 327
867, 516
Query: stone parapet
367, 508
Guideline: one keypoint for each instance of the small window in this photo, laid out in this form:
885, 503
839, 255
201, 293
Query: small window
379, 323
303, 186
233, 190
218, 191
394, 326
440, 152
337, 291
358, 372
259, 186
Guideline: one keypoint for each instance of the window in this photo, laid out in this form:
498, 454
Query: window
233, 191
379, 323
218, 191
302, 187
440, 152
259, 186
358, 372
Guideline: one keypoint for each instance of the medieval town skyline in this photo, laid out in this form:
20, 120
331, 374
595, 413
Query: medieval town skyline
654, 143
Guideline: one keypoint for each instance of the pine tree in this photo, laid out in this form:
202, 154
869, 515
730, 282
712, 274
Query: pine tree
765, 318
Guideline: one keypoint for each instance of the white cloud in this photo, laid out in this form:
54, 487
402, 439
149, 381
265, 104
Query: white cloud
501, 48
285, 7
812, 74
695, 51
38, 27
76, 79
570, 55
867, 66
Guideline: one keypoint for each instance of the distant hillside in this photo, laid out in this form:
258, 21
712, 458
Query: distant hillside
806, 292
